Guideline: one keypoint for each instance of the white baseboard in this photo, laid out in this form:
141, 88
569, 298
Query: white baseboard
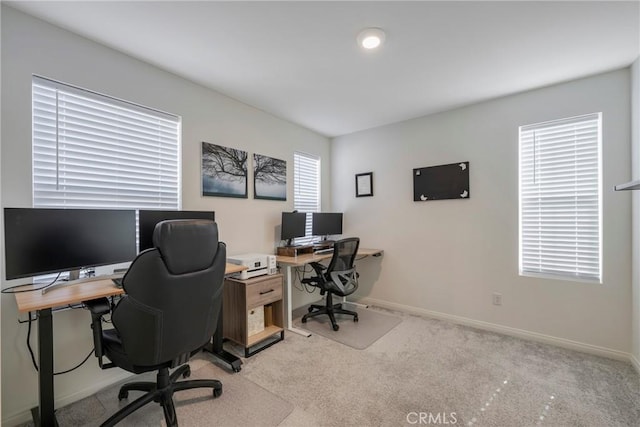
635, 362
25, 415
519, 333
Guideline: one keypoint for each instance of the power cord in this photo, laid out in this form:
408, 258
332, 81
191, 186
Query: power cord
33, 357
15, 290
300, 274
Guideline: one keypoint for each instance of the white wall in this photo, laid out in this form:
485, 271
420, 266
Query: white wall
30, 46
635, 162
1, 220
448, 257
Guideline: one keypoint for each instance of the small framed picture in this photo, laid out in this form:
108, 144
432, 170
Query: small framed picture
364, 184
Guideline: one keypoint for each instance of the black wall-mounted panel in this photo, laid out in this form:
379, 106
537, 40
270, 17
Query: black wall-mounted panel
441, 182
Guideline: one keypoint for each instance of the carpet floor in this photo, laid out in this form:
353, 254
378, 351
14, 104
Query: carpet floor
422, 372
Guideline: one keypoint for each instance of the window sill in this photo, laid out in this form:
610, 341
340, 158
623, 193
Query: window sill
560, 277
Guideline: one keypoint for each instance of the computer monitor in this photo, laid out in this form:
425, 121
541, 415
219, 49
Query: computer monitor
326, 224
42, 241
147, 220
294, 225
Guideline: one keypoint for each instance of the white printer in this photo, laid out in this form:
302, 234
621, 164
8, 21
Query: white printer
257, 265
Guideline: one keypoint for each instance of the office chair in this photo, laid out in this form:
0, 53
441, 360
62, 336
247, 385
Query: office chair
169, 312
339, 278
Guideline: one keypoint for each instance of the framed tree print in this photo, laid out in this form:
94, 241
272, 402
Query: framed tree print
269, 178
224, 171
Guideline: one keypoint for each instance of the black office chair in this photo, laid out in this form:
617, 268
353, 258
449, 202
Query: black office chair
339, 278
169, 312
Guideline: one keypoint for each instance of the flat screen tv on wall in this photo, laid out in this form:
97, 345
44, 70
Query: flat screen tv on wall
441, 182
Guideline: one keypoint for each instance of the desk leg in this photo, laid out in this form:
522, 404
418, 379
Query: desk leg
46, 412
289, 325
357, 304
215, 348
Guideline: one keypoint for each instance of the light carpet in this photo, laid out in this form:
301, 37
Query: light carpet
446, 374
423, 372
370, 327
242, 403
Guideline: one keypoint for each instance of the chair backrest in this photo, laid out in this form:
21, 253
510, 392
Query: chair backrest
173, 293
341, 269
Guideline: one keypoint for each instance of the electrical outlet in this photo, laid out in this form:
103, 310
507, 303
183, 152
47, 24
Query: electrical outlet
497, 298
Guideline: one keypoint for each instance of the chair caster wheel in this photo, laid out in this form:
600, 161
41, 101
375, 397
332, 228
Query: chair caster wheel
309, 309
123, 394
336, 327
187, 373
304, 319
217, 392
355, 318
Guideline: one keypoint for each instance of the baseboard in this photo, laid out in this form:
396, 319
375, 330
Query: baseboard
635, 362
506, 330
25, 415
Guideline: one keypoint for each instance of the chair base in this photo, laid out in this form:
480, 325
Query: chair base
330, 310
161, 392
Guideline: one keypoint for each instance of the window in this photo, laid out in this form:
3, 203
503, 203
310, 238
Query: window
560, 198
94, 151
306, 189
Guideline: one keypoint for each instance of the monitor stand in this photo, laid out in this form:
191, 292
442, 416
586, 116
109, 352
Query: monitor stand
290, 244
76, 280
323, 244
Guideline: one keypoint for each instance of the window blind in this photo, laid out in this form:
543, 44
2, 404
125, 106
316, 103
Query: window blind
306, 188
94, 151
560, 198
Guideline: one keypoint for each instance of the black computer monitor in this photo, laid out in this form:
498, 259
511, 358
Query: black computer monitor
42, 241
147, 220
294, 225
326, 224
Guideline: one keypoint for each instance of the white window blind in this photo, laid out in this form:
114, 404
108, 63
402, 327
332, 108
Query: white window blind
560, 198
94, 151
306, 188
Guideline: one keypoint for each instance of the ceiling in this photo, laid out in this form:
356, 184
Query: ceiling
299, 60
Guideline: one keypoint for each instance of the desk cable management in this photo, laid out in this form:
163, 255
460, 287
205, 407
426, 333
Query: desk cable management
300, 273
15, 290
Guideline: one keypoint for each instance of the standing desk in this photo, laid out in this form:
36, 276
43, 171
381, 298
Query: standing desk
290, 262
42, 304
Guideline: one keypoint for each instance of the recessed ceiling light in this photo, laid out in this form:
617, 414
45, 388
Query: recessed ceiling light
371, 38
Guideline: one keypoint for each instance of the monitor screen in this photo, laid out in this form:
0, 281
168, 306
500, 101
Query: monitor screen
326, 224
41, 241
149, 218
293, 225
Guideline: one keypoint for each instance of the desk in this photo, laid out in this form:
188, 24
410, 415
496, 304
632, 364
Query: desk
44, 414
290, 262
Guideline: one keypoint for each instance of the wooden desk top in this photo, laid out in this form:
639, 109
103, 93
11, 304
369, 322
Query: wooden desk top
300, 260
73, 294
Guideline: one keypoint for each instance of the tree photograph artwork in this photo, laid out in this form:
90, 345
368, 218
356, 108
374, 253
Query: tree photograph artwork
269, 178
224, 171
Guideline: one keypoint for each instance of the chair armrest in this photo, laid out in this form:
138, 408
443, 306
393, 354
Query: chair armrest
318, 268
319, 279
98, 308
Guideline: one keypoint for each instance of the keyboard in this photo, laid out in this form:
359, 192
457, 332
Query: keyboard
323, 251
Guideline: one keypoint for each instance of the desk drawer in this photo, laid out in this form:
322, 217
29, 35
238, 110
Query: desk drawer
264, 292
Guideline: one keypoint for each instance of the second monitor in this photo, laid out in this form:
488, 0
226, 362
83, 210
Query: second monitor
326, 224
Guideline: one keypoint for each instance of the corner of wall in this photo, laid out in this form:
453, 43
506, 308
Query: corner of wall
635, 170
